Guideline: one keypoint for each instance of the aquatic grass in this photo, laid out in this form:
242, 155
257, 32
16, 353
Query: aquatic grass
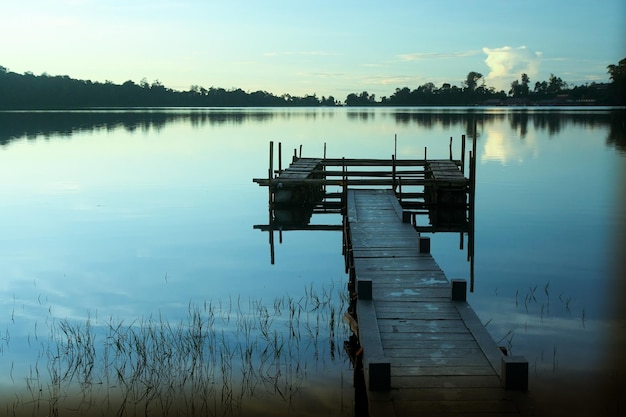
220, 355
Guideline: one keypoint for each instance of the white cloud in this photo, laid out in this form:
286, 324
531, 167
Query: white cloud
508, 63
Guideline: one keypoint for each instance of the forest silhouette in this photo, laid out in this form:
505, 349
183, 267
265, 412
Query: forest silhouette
29, 91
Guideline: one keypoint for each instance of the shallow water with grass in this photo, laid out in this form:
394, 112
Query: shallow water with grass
134, 283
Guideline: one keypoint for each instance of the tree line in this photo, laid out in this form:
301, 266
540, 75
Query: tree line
29, 91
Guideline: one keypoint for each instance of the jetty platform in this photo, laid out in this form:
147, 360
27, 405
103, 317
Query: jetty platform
418, 346
424, 350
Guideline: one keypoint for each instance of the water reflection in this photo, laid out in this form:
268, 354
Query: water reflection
132, 214
497, 147
15, 125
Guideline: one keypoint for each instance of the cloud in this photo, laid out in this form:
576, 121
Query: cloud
507, 64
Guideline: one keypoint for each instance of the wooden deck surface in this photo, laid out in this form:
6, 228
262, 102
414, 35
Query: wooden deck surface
445, 170
300, 169
442, 360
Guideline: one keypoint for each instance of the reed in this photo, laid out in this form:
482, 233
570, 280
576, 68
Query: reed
219, 356
539, 310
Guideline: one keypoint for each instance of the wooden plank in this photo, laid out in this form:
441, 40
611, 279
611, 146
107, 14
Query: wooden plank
443, 353
396, 264
413, 294
441, 344
385, 252
449, 408
404, 309
411, 306
418, 277
379, 182
423, 326
442, 371
481, 335
449, 394
381, 162
352, 211
421, 314
446, 381
408, 338
474, 360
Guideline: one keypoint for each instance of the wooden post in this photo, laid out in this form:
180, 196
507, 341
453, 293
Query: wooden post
280, 158
271, 232
470, 244
515, 373
269, 186
425, 153
379, 371
475, 139
451, 148
272, 247
424, 244
471, 208
395, 145
300, 154
344, 184
463, 154
393, 172
364, 289
459, 290
324, 169
271, 169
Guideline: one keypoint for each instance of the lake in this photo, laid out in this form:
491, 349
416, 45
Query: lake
133, 281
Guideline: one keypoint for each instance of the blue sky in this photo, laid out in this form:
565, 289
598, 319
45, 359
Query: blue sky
325, 47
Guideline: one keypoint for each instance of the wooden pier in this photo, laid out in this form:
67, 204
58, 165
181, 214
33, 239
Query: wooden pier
421, 348
424, 350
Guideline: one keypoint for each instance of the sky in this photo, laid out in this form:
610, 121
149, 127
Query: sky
326, 47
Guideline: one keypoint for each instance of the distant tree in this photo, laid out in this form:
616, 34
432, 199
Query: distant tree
617, 74
29, 91
525, 82
328, 101
362, 99
471, 82
541, 87
402, 97
520, 89
428, 88
555, 84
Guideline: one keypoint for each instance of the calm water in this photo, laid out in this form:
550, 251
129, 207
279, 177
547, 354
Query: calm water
116, 226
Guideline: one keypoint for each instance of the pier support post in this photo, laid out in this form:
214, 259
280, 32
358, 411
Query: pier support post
459, 290
515, 373
364, 289
406, 216
379, 377
424, 244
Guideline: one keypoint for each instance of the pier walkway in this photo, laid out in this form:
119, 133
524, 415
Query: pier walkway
423, 353
417, 345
